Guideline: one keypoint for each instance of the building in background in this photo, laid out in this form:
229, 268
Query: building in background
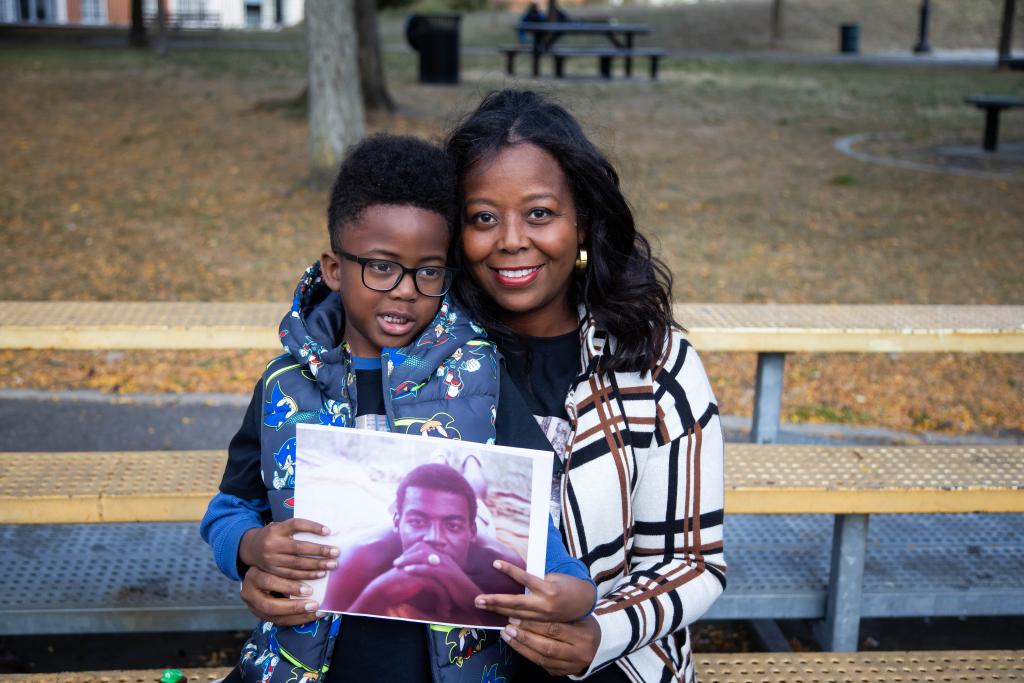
228, 14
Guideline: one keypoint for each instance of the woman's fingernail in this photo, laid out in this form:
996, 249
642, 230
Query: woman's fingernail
513, 620
512, 633
505, 637
325, 531
480, 604
497, 564
311, 606
332, 565
305, 590
321, 615
321, 574
334, 552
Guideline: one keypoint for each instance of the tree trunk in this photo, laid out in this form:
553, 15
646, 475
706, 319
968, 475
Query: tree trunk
336, 119
371, 62
137, 35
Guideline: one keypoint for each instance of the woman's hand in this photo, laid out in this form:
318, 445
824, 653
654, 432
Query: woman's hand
561, 649
556, 597
266, 596
274, 549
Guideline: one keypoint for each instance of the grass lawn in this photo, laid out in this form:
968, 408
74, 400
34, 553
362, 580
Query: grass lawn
129, 178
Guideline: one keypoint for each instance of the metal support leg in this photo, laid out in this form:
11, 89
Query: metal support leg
770, 635
991, 139
629, 58
846, 580
768, 397
510, 65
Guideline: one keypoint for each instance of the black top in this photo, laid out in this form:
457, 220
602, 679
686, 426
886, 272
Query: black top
544, 371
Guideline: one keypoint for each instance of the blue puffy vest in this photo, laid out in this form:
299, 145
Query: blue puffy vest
444, 384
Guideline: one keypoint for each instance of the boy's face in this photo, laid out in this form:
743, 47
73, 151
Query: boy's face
408, 235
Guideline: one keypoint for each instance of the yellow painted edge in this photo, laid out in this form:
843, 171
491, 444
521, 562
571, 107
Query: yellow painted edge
854, 341
49, 510
125, 337
96, 509
191, 507
772, 501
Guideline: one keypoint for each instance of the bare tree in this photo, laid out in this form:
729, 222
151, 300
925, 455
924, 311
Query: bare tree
336, 117
371, 65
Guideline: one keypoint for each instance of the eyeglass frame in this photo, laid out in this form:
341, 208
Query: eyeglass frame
363, 260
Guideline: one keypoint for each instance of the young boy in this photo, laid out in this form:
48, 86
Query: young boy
377, 296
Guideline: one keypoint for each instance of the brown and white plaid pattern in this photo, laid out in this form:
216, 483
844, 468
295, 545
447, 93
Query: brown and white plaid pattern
642, 504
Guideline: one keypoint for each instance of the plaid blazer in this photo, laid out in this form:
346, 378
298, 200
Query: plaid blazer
642, 503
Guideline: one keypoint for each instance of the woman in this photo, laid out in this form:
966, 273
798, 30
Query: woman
558, 274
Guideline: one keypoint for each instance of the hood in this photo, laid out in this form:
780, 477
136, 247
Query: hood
311, 333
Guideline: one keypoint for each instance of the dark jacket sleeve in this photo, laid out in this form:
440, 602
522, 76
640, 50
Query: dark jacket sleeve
242, 473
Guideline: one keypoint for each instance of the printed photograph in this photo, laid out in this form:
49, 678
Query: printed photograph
420, 521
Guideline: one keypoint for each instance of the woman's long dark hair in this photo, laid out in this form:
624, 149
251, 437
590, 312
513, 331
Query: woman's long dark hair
625, 288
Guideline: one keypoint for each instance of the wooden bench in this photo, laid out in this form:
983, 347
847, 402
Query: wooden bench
605, 57
743, 667
993, 106
511, 52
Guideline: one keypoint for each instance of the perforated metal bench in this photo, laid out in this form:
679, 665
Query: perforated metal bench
78, 562
770, 330
746, 667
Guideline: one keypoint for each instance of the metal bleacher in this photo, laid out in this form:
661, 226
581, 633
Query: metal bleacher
945, 538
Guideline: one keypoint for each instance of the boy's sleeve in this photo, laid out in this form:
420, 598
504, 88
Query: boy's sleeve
559, 561
242, 501
227, 518
242, 477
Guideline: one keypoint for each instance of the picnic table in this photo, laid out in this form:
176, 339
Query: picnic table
545, 34
993, 106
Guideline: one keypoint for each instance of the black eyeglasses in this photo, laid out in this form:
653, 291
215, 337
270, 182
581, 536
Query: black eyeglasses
382, 275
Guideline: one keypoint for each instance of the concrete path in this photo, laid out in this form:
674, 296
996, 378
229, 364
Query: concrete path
88, 420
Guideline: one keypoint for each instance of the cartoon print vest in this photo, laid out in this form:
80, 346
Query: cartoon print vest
443, 385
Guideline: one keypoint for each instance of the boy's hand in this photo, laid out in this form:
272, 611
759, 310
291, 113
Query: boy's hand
274, 550
266, 596
555, 598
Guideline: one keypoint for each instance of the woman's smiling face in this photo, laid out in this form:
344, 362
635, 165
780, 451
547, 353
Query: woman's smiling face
520, 238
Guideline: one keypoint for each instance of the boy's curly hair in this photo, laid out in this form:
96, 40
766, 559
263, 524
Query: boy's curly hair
395, 170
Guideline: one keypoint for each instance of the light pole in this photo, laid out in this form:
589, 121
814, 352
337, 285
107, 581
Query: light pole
922, 46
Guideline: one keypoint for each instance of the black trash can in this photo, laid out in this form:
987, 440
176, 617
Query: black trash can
436, 38
849, 39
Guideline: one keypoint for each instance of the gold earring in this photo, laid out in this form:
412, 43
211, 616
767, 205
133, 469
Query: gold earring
581, 260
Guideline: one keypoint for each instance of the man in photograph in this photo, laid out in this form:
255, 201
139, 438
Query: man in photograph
431, 563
